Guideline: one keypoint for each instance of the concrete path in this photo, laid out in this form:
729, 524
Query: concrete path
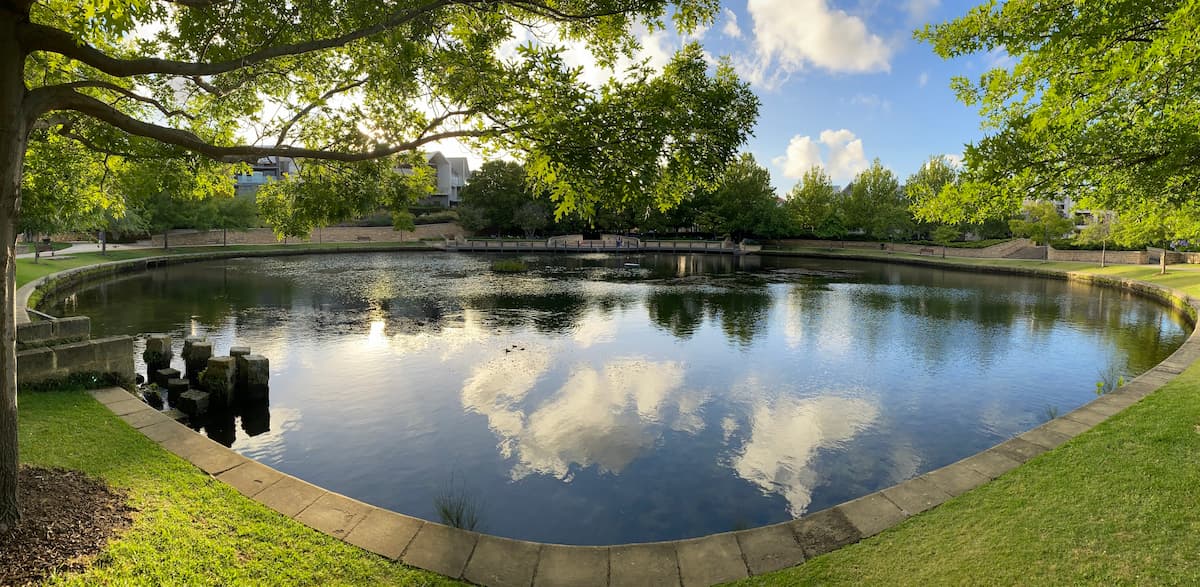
85, 248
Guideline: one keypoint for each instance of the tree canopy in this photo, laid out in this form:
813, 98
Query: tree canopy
364, 83
1102, 102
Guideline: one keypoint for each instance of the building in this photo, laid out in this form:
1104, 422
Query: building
451, 174
266, 169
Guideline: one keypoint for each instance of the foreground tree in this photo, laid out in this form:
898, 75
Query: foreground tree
352, 82
1100, 103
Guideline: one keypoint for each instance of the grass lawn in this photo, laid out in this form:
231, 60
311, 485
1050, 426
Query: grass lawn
191, 529
1116, 505
27, 270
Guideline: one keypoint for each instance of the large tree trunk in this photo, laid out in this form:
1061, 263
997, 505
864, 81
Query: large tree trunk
14, 133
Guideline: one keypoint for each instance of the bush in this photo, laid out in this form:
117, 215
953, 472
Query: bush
982, 244
1074, 245
437, 217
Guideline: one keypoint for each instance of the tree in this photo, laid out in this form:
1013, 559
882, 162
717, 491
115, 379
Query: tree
353, 82
877, 205
63, 186
744, 202
814, 204
531, 217
493, 195
1041, 222
1098, 229
1099, 101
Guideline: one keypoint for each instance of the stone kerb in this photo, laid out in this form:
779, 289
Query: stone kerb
494, 561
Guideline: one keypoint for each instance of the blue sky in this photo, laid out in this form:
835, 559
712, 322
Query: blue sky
846, 72
841, 82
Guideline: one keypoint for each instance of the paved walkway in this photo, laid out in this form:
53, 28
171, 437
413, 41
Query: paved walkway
87, 247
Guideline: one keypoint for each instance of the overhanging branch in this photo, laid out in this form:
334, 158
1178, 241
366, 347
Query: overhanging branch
59, 98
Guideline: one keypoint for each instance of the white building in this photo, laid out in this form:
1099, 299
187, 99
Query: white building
452, 173
266, 169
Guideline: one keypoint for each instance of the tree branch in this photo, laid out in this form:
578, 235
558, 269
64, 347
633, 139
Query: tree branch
38, 37
128, 94
59, 98
287, 127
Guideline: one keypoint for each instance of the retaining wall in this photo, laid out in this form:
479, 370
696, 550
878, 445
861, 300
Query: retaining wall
998, 251
48, 332
1113, 257
108, 356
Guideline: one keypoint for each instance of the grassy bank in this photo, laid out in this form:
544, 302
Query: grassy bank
190, 529
27, 270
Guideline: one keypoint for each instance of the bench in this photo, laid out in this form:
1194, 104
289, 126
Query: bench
43, 248
927, 251
363, 239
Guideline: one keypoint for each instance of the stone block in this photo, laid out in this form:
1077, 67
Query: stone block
194, 403
35, 365
76, 357
572, 566
957, 478
35, 332
163, 377
824, 531
218, 379
256, 373
188, 341
158, 352
333, 514
500, 562
916, 495
770, 548
239, 351
73, 328
644, 565
1019, 450
872, 514
289, 496
991, 463
197, 360
175, 388
710, 560
441, 549
114, 354
384, 533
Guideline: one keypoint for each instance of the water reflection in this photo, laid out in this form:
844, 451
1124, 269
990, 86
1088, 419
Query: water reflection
603, 418
785, 436
597, 403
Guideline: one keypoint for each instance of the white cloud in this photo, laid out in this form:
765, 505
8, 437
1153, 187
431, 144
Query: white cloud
923, 79
731, 28
845, 156
954, 159
872, 101
998, 58
918, 10
792, 35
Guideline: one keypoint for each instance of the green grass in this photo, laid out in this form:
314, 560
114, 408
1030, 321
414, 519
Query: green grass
190, 529
27, 270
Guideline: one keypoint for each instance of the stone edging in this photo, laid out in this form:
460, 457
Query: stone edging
494, 561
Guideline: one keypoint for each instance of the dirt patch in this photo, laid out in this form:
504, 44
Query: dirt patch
67, 518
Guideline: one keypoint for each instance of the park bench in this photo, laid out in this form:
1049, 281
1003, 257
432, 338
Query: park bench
927, 251
363, 239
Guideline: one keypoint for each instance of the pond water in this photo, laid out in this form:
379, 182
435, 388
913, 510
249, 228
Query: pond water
590, 402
